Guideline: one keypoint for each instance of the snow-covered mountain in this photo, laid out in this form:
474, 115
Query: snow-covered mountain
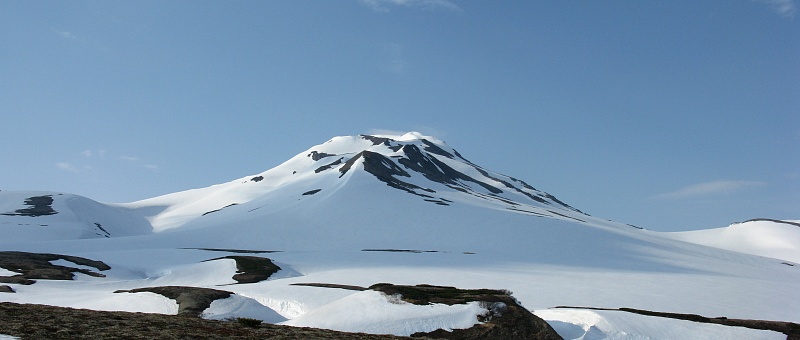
423, 167
409, 209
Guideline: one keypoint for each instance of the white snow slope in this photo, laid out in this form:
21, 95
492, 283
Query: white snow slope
333, 212
762, 237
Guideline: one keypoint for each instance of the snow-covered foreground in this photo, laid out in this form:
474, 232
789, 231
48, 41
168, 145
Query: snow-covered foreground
590, 325
404, 210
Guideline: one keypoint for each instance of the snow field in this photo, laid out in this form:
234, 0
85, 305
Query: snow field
577, 324
374, 312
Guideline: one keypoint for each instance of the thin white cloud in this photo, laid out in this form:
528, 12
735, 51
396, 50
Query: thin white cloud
66, 166
719, 187
93, 162
70, 36
387, 5
386, 132
784, 8
93, 153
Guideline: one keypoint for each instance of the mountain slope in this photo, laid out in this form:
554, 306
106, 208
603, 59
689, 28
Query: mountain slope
771, 238
40, 216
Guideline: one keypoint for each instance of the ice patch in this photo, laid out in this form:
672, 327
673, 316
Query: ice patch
238, 306
204, 274
6, 272
372, 312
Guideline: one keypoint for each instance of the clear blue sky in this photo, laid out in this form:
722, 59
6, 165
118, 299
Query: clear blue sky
670, 115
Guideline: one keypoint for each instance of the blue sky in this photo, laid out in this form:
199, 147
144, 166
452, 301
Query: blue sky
670, 115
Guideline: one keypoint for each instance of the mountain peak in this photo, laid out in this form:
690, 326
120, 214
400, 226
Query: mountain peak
427, 167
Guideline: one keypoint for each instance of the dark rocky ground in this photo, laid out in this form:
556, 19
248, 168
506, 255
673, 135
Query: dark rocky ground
32, 266
29, 321
505, 320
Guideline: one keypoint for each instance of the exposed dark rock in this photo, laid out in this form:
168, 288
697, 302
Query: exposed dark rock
311, 192
329, 165
433, 148
505, 318
107, 234
257, 178
525, 211
504, 200
29, 321
377, 140
240, 251
319, 155
436, 171
251, 269
6, 289
384, 169
331, 285
570, 217
772, 220
215, 210
554, 199
39, 206
32, 266
192, 301
436, 201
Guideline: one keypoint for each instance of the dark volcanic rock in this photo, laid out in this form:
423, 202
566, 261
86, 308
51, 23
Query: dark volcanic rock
773, 220
192, 301
251, 269
311, 192
505, 319
37, 266
39, 206
319, 155
48, 322
377, 140
239, 251
6, 289
433, 148
385, 170
436, 171
216, 210
329, 165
